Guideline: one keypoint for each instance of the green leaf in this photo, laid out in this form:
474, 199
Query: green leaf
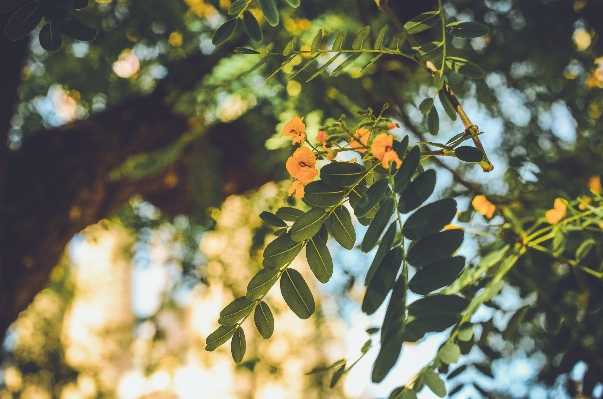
434, 247
430, 51
437, 275
320, 194
426, 105
341, 227
406, 393
290, 47
448, 107
397, 40
324, 67
437, 304
236, 7
437, 322
438, 80
433, 121
387, 358
293, 3
261, 283
296, 294
23, 21
345, 64
396, 311
252, 26
322, 369
266, 50
514, 322
307, 225
378, 224
316, 41
9, 5
224, 32
450, 353
50, 38
238, 345
235, 311
422, 22
341, 174
467, 30
77, 27
339, 40
272, 219
270, 11
319, 259
372, 61
287, 213
464, 67
257, 65
429, 219
337, 376
418, 191
383, 281
465, 333
456, 372
264, 320
469, 154
400, 148
245, 50
281, 251
371, 198
434, 382
380, 38
584, 249
384, 247
361, 38
408, 169
218, 337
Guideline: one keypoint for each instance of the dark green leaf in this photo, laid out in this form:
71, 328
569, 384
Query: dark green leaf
293, 3
464, 67
281, 251
429, 219
372, 196
584, 249
341, 174
408, 169
23, 21
218, 337
235, 311
380, 38
469, 154
437, 322
345, 64
422, 22
467, 30
514, 323
238, 345
224, 32
322, 369
337, 376
290, 47
418, 191
484, 369
372, 61
383, 281
434, 247
319, 259
287, 213
77, 4
252, 26
397, 40
433, 121
426, 105
256, 66
387, 358
307, 225
50, 38
361, 38
245, 50
448, 107
323, 195
270, 11
405, 393
400, 148
339, 40
437, 304
316, 41
430, 51
264, 320
438, 80
384, 247
341, 227
261, 283
396, 311
77, 27
324, 67
450, 353
378, 224
272, 219
456, 372
296, 293
9, 5
236, 7
434, 382
437, 275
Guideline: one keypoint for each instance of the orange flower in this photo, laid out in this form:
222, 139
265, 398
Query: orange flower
360, 139
382, 149
321, 137
295, 129
302, 167
557, 213
481, 204
392, 126
595, 184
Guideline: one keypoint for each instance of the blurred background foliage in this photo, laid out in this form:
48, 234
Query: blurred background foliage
540, 106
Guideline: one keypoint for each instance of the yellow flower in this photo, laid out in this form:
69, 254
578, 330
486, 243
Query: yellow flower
481, 204
557, 213
360, 139
302, 167
383, 149
296, 129
595, 184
